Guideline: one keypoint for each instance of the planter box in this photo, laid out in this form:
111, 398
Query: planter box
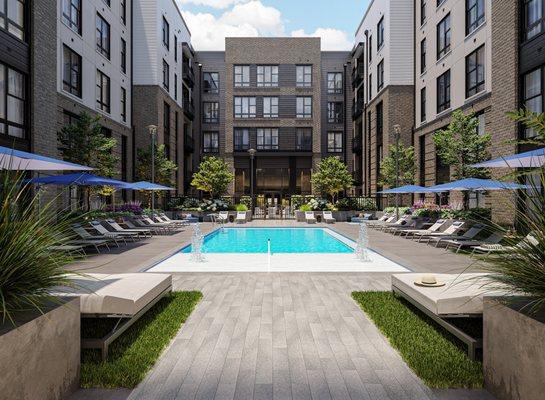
340, 216
513, 352
40, 358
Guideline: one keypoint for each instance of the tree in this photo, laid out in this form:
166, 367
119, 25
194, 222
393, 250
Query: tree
533, 121
461, 145
407, 167
331, 177
213, 177
164, 168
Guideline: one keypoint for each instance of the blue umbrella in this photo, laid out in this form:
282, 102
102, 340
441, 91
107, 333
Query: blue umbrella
150, 186
475, 184
406, 190
530, 159
80, 180
23, 161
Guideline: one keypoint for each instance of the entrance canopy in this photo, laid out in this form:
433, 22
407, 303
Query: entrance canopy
22, 161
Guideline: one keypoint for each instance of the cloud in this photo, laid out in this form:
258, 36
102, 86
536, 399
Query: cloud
220, 4
332, 39
267, 20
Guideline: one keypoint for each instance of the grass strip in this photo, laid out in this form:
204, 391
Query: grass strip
432, 353
135, 352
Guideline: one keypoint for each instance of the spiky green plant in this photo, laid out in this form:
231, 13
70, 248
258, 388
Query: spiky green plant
29, 268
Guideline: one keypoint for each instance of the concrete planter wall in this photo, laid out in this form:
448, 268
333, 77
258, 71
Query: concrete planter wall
340, 216
513, 352
40, 358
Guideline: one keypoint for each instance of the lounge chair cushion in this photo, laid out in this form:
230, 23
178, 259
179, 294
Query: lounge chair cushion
124, 294
462, 294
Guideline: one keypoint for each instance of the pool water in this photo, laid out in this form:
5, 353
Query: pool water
283, 240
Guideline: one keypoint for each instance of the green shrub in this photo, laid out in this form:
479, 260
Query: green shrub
241, 207
402, 210
305, 207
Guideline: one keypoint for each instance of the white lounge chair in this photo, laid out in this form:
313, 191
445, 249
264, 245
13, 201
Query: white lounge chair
309, 217
434, 228
328, 217
223, 217
241, 217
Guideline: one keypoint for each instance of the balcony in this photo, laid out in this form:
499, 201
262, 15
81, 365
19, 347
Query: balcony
357, 76
357, 144
189, 144
357, 109
188, 75
189, 109
358, 177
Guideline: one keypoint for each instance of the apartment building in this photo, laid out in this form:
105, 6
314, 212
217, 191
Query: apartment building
282, 97
163, 79
383, 87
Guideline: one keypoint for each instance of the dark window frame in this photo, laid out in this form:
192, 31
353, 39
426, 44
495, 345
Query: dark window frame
252, 107
305, 106
74, 19
538, 26
443, 37
103, 36
123, 11
423, 104
209, 89
303, 139
103, 101
214, 141
334, 85
166, 75
380, 75
240, 71
267, 138
443, 98
380, 34
6, 125
526, 133
262, 74
423, 16
272, 107
475, 15
307, 73
213, 116
336, 147
335, 112
123, 104
69, 86
241, 137
123, 56
423, 55
165, 33
480, 84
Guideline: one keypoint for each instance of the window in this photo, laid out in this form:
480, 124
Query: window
103, 92
475, 73
533, 18
304, 76
474, 15
242, 76
304, 107
422, 12
166, 33
370, 50
443, 37
481, 128
380, 33
423, 104
370, 81
335, 112
103, 36
245, 107
211, 82
303, 139
71, 76
211, 112
175, 86
267, 139
334, 82
267, 75
123, 56
107, 2
166, 129
12, 102
211, 143
423, 46
166, 75
71, 14
439, 2
123, 104
334, 142
123, 11
242, 139
175, 48
533, 96
443, 92
270, 107
380, 75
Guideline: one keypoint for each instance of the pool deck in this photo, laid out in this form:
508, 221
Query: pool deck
288, 335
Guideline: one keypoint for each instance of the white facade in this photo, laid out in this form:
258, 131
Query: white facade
84, 44
461, 46
397, 51
150, 52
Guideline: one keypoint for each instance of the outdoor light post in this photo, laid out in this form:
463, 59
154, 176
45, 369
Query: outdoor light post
153, 132
252, 153
397, 130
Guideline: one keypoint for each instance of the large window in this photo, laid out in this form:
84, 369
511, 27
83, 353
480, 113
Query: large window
166, 33
334, 112
12, 102
103, 36
533, 96
210, 112
304, 139
123, 56
334, 82
123, 10
267, 139
370, 89
304, 75
245, 107
423, 104
423, 46
370, 49
211, 82
242, 75
380, 33
443, 92
71, 14
71, 75
103, 91
443, 37
166, 75
380, 75
270, 107
474, 15
175, 48
304, 107
334, 142
533, 18
475, 72
242, 139
422, 12
124, 104
267, 75
211, 142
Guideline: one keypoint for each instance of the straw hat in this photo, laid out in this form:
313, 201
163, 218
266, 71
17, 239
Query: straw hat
428, 281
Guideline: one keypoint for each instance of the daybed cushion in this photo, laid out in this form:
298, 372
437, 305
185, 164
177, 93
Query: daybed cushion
462, 294
124, 294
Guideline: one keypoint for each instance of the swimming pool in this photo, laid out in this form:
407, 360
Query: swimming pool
283, 240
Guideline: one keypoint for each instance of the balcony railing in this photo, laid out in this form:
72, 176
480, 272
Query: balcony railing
188, 75
357, 108
357, 76
189, 143
357, 144
189, 108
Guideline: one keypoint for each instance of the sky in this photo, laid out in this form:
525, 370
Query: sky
335, 21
